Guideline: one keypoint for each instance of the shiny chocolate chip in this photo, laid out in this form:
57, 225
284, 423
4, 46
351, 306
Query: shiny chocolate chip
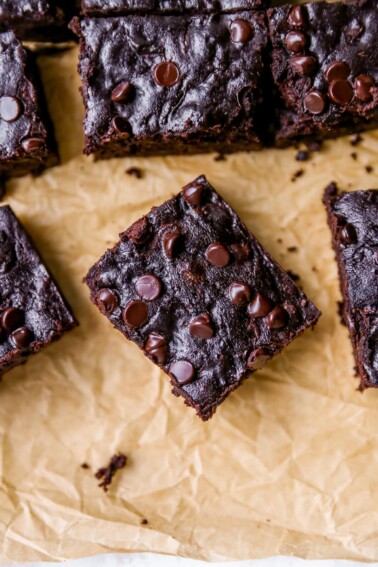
239, 293
122, 92
21, 338
171, 243
348, 234
31, 145
217, 255
297, 17
314, 102
10, 108
258, 358
303, 64
156, 346
337, 70
260, 306
166, 74
340, 91
193, 194
201, 327
135, 314
362, 87
11, 319
277, 318
121, 125
106, 301
295, 41
241, 31
183, 371
148, 287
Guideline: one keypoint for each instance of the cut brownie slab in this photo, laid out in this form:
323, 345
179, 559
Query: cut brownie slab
33, 312
26, 139
325, 68
353, 219
172, 84
193, 288
123, 7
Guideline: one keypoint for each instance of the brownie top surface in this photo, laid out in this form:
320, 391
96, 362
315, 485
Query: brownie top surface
19, 108
169, 6
30, 9
182, 74
325, 58
26, 286
212, 275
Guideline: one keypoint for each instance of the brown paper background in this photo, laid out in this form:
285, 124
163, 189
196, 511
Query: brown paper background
288, 465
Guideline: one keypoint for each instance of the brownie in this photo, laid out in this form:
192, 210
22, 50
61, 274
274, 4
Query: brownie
26, 138
194, 289
325, 68
37, 20
123, 7
172, 84
352, 218
33, 312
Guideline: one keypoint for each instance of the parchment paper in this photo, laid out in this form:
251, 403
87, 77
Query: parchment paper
288, 465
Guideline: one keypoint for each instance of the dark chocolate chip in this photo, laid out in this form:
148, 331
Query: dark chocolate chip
122, 92
303, 64
166, 74
193, 194
135, 314
21, 338
295, 41
183, 371
258, 358
362, 87
171, 243
296, 16
277, 318
31, 145
148, 287
340, 91
241, 251
314, 102
241, 31
260, 306
302, 155
337, 70
239, 293
106, 301
201, 327
156, 346
10, 108
11, 319
140, 231
217, 255
348, 234
121, 125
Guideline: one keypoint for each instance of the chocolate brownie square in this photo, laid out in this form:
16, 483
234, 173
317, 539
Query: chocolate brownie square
33, 312
26, 138
353, 222
194, 289
325, 68
172, 84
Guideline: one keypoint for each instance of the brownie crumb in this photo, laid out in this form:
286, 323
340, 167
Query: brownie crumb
357, 139
302, 155
117, 462
314, 146
144, 522
279, 240
369, 169
293, 276
353, 155
292, 249
85, 466
220, 157
135, 171
297, 174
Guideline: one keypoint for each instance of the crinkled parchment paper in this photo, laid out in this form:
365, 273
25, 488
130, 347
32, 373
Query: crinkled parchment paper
289, 463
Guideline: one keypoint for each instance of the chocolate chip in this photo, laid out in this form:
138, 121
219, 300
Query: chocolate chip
277, 318
258, 358
135, 314
183, 371
106, 301
10, 108
303, 64
31, 145
121, 125
21, 338
362, 87
122, 92
337, 70
241, 251
260, 306
156, 346
302, 155
296, 16
171, 243
239, 293
217, 255
148, 287
193, 193
348, 234
314, 102
201, 327
139, 232
295, 41
241, 31
11, 319
340, 91
166, 74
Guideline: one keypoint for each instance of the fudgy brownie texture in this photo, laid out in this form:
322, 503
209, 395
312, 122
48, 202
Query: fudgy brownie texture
122, 7
172, 84
193, 288
37, 20
352, 218
325, 68
26, 138
33, 312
